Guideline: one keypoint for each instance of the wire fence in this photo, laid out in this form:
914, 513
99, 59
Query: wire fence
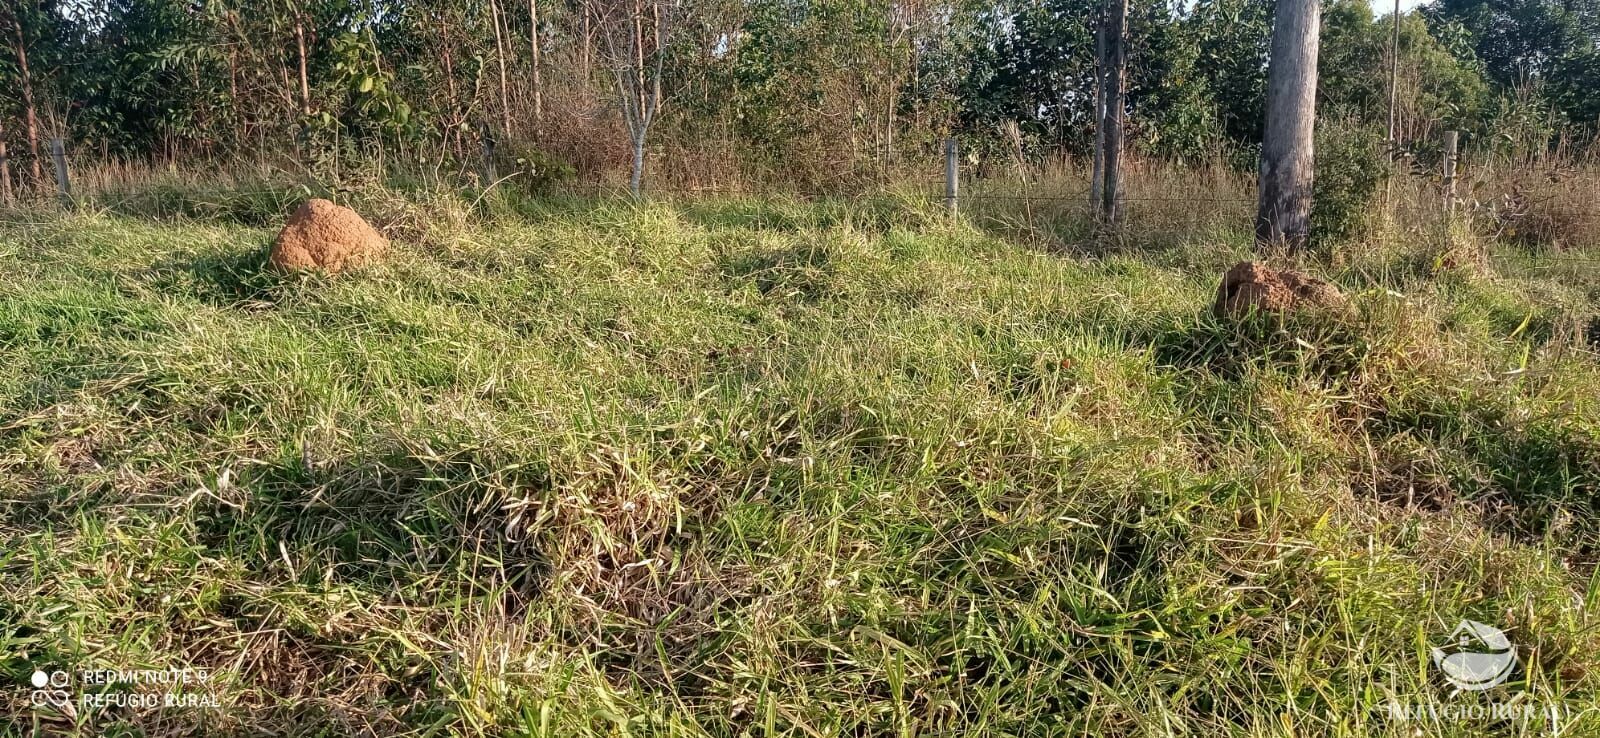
928, 192
952, 192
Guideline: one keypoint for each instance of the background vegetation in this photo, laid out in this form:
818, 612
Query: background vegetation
799, 92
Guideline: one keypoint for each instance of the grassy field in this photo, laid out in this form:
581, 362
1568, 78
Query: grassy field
765, 467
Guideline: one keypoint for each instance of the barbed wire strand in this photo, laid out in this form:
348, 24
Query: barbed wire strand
1077, 200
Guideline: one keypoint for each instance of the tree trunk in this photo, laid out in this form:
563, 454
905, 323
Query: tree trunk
1116, 82
588, 41
500, 56
655, 83
237, 118
285, 86
1283, 210
453, 105
637, 180
888, 123
638, 48
1097, 172
305, 79
1394, 78
27, 96
533, 37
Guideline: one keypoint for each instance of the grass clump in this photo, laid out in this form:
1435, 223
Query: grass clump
772, 467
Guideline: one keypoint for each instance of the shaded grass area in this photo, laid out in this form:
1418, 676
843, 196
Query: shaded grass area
766, 467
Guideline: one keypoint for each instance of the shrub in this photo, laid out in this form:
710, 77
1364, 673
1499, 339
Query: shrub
1350, 169
533, 168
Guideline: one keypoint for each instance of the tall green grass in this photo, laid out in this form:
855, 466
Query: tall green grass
775, 467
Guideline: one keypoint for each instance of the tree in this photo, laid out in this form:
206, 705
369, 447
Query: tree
633, 33
1434, 89
1544, 45
1352, 82
1109, 107
1232, 38
500, 58
533, 40
1038, 68
19, 46
1525, 39
1283, 208
5, 167
818, 92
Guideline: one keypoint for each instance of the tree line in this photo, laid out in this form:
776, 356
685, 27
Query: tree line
818, 91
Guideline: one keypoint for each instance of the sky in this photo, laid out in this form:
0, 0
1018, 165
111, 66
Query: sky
1383, 7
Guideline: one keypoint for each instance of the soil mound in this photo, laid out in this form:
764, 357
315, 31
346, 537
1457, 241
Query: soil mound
1254, 286
322, 235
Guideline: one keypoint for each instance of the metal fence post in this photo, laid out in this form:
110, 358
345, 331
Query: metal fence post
952, 182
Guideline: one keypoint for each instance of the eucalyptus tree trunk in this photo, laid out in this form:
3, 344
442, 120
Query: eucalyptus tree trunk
636, 181
5, 167
32, 116
1109, 130
533, 37
1394, 78
1283, 208
500, 56
305, 80
638, 75
1097, 168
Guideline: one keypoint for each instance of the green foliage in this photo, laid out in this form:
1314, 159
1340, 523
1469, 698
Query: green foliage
1437, 89
1174, 110
151, 76
811, 92
1232, 40
369, 98
1351, 167
1037, 69
1526, 40
1352, 79
1577, 76
1451, 90
1547, 43
535, 170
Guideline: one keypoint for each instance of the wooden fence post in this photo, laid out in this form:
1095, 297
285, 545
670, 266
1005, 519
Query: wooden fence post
1115, 83
1450, 141
487, 139
58, 152
952, 181
5, 176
